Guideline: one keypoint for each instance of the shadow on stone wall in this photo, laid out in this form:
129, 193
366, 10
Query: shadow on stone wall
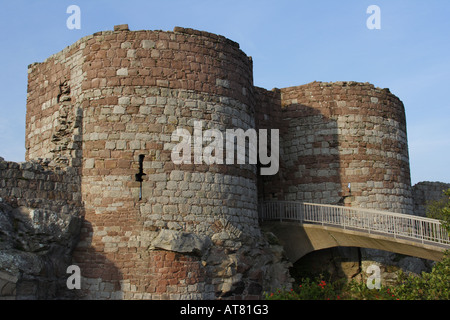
98, 283
352, 263
309, 152
333, 264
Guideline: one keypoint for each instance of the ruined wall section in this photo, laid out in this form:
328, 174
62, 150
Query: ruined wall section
350, 133
41, 185
53, 118
40, 220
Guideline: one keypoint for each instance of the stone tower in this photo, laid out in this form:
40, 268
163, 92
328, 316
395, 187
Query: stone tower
341, 143
108, 105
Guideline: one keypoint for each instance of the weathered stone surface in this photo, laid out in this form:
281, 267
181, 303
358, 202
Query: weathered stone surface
7, 286
182, 242
35, 249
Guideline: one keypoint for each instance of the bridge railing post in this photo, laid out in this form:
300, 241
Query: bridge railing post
344, 217
321, 215
394, 224
421, 230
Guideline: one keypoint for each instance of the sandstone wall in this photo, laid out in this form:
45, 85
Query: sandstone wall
41, 185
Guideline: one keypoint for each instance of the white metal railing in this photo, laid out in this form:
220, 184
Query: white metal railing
396, 225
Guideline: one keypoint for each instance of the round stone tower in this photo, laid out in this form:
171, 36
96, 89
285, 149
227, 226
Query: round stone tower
109, 105
342, 143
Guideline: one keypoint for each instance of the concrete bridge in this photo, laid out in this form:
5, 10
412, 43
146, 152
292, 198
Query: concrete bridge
306, 227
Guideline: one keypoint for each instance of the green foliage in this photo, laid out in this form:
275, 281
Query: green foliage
359, 291
434, 285
317, 289
440, 209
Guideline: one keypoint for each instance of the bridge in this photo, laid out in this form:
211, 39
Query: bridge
305, 227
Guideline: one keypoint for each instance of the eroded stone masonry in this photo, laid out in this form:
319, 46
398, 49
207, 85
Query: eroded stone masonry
103, 110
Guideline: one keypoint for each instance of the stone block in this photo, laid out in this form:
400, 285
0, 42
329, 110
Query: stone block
119, 110
135, 145
124, 101
122, 72
89, 163
181, 242
121, 27
147, 44
110, 145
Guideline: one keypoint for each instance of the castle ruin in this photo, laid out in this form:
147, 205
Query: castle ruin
100, 115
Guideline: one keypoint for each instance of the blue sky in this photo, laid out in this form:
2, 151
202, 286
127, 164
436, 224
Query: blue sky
291, 42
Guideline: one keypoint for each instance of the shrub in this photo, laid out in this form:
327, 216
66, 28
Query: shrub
317, 289
440, 209
434, 285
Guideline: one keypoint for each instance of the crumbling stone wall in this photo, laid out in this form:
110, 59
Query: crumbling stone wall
40, 220
53, 118
41, 184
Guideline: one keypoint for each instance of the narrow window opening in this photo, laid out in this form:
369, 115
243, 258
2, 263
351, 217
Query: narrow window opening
140, 174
